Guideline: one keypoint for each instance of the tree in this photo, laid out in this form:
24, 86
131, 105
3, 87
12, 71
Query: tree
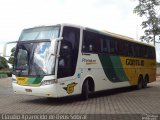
151, 26
3, 63
11, 57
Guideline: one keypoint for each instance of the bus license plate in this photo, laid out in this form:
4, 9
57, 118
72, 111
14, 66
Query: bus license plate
28, 90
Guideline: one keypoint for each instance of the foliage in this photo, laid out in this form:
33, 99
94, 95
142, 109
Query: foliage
151, 26
3, 63
11, 56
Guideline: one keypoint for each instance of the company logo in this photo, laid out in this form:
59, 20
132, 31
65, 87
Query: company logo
70, 87
89, 61
134, 62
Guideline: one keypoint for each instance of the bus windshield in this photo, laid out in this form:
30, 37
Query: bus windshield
34, 50
49, 32
34, 59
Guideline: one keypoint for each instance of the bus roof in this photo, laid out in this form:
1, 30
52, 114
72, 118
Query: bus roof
104, 32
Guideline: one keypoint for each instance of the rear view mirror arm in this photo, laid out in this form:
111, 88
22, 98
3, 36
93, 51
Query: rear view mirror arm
5, 46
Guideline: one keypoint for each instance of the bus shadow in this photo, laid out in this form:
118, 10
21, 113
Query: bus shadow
116, 91
77, 98
54, 101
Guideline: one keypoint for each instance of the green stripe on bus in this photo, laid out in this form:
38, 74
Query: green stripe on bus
112, 67
108, 67
117, 65
34, 80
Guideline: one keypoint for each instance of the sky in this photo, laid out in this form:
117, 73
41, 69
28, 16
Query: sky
112, 15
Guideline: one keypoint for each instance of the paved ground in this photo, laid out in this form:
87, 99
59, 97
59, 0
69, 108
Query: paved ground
158, 70
121, 101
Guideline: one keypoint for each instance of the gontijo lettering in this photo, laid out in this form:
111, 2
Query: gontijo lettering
134, 62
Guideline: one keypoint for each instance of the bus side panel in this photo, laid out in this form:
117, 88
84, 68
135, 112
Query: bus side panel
134, 67
68, 86
91, 67
113, 68
106, 71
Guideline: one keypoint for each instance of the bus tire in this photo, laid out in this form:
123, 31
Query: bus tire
85, 90
145, 81
140, 82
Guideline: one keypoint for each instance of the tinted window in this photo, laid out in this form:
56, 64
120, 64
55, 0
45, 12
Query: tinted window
91, 42
97, 43
113, 46
68, 52
137, 50
105, 47
122, 47
151, 52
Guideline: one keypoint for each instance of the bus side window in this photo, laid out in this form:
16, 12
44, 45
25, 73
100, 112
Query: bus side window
121, 47
125, 49
113, 46
130, 49
91, 42
133, 49
105, 45
143, 51
137, 50
85, 46
151, 53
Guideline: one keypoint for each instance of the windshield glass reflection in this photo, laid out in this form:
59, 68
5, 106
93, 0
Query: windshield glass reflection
42, 60
34, 59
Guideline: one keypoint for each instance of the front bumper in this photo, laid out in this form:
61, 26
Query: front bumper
45, 90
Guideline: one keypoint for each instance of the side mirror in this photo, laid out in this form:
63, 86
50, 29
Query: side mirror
5, 48
54, 46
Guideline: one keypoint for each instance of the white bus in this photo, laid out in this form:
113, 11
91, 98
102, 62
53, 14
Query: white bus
65, 59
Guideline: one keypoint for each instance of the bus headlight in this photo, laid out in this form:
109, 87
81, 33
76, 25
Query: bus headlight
48, 82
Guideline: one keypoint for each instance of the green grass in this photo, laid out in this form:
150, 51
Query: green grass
4, 74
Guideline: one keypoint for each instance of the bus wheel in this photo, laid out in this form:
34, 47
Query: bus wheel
140, 82
85, 90
145, 81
